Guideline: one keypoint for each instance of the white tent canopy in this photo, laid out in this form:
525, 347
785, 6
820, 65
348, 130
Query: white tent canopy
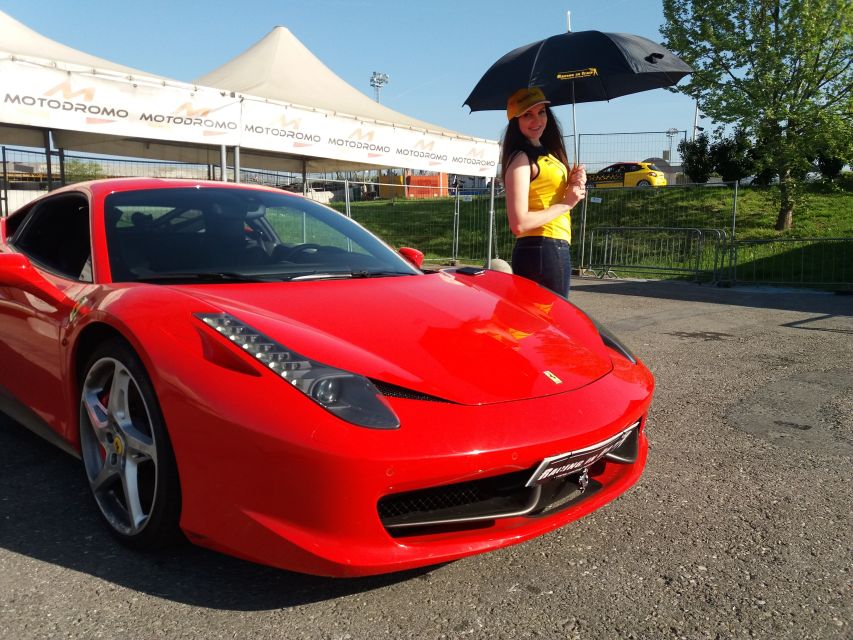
92, 104
277, 102
280, 67
291, 98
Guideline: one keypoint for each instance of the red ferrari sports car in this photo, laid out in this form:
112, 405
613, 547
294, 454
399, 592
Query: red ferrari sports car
258, 373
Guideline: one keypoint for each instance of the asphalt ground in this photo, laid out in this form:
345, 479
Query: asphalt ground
739, 528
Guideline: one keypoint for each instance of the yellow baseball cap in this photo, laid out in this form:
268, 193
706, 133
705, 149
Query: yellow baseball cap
524, 99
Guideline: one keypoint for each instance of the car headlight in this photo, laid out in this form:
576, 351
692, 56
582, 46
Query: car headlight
348, 396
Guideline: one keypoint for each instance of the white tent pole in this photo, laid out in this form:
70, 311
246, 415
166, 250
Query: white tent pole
347, 209
237, 164
491, 224
223, 162
455, 250
61, 153
304, 177
47, 157
4, 211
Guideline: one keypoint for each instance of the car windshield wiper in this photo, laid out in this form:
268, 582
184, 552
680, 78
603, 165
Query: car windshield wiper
380, 274
208, 276
322, 275
332, 275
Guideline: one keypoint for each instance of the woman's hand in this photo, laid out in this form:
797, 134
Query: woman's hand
576, 189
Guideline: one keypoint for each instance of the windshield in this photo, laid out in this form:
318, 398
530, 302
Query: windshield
236, 235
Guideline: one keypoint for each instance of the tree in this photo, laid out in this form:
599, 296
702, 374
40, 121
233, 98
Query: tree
764, 170
696, 158
731, 157
780, 69
80, 171
829, 166
831, 154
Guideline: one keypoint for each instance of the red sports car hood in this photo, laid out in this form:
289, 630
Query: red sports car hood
467, 339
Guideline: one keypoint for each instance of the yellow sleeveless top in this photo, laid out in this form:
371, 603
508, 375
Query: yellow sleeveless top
547, 188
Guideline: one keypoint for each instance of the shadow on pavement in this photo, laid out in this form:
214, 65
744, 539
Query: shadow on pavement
788, 299
46, 514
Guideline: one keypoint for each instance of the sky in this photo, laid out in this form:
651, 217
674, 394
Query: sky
434, 51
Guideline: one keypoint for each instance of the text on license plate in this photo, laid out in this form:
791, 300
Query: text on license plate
566, 464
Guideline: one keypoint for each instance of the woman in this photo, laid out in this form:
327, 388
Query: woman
540, 191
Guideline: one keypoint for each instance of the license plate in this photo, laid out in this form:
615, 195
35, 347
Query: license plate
573, 462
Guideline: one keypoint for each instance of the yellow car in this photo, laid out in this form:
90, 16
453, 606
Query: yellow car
627, 174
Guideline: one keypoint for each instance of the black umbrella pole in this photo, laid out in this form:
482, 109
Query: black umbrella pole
575, 128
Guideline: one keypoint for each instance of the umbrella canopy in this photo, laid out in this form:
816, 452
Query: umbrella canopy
583, 66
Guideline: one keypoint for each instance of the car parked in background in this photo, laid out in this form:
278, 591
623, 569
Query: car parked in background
627, 174
261, 373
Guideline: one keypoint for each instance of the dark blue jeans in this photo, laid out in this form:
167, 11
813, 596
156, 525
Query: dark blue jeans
544, 260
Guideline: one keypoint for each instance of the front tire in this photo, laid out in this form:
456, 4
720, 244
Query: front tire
644, 183
126, 451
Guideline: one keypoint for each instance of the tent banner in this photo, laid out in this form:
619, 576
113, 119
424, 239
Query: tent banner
109, 103
300, 131
36, 93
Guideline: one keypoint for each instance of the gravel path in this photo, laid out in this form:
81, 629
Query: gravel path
739, 528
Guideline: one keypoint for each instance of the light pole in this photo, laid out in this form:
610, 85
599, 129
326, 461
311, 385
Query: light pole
377, 81
670, 134
696, 127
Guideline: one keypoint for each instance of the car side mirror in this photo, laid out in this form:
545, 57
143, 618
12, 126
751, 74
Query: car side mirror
17, 271
412, 255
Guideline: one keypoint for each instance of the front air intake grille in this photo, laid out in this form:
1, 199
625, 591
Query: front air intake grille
469, 504
393, 391
478, 502
486, 499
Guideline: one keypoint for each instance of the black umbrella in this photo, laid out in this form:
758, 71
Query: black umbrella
582, 66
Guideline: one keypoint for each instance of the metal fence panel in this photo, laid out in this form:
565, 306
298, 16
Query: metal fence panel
422, 217
691, 206
598, 150
803, 261
452, 225
619, 251
710, 209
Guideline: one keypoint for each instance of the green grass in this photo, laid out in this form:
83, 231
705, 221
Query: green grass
781, 258
825, 263
426, 225
825, 212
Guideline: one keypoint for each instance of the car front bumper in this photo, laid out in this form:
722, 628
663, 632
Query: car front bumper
288, 485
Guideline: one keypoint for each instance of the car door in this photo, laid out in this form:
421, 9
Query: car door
599, 178
55, 237
611, 176
619, 173
633, 173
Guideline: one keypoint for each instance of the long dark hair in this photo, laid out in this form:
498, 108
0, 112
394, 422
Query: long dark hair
513, 142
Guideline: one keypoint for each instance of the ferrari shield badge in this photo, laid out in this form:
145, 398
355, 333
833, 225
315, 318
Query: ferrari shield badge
552, 377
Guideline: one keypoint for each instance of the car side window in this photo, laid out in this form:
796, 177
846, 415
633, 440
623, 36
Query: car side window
163, 219
55, 235
294, 227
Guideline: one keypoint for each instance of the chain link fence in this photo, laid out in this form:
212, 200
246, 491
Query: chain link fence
826, 262
685, 231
